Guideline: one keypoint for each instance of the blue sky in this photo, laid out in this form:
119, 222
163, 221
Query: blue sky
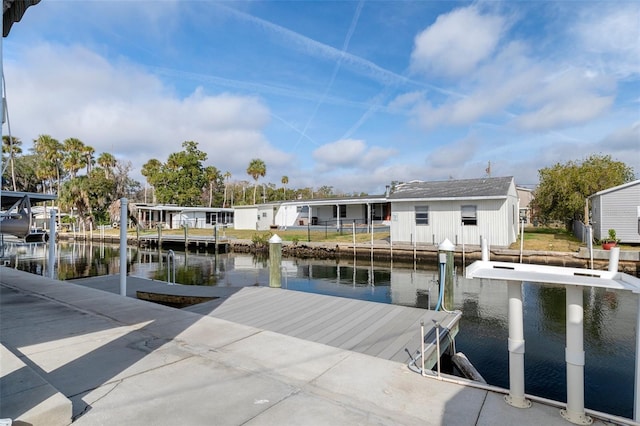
349, 94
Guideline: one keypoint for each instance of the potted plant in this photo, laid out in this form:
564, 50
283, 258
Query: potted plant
610, 241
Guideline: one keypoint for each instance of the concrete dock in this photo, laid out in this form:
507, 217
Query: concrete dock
378, 329
77, 354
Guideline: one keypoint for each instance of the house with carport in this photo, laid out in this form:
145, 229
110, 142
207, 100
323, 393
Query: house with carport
336, 213
171, 216
463, 211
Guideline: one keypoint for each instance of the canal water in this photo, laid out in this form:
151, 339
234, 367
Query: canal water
609, 317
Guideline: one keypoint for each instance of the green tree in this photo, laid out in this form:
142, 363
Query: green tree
89, 161
73, 158
11, 146
74, 195
564, 188
25, 172
256, 170
181, 179
214, 179
49, 153
285, 181
151, 171
227, 176
107, 162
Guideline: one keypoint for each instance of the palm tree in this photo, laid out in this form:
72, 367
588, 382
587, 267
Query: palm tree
285, 181
107, 162
256, 169
11, 146
74, 158
227, 176
88, 152
211, 174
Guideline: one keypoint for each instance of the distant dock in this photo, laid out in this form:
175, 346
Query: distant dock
181, 241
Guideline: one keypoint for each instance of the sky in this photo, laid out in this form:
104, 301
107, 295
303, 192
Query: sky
348, 94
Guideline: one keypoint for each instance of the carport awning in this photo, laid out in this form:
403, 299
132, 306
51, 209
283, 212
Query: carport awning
9, 198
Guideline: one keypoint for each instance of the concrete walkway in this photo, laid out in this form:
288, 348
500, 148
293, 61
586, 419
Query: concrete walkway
128, 362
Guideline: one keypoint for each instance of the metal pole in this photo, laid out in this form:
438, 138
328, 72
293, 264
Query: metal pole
574, 355
516, 396
52, 244
123, 246
422, 346
521, 239
438, 346
275, 261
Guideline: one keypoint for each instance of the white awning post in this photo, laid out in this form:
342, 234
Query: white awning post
574, 355
123, 246
52, 244
516, 396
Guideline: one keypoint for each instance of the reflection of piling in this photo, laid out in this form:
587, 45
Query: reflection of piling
446, 249
275, 261
159, 235
215, 238
52, 244
124, 217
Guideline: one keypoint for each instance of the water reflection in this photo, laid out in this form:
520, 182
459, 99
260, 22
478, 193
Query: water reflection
610, 316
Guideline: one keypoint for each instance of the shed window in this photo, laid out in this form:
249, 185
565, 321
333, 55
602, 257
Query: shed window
422, 215
469, 215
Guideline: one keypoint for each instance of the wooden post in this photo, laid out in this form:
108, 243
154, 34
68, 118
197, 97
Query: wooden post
275, 261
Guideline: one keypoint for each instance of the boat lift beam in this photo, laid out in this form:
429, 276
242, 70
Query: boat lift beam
573, 280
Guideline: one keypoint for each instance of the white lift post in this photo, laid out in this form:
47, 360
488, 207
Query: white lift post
574, 280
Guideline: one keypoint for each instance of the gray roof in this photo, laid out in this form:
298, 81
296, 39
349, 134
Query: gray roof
447, 189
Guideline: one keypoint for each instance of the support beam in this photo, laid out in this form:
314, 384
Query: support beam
516, 396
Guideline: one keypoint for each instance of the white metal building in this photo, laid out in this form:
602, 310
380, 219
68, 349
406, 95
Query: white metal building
617, 208
463, 211
174, 216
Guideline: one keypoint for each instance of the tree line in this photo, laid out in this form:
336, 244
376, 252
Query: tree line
89, 184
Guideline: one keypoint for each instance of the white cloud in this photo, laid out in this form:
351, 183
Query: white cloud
516, 88
457, 42
121, 109
565, 112
350, 153
609, 36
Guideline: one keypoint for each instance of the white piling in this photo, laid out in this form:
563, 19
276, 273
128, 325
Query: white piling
485, 250
574, 355
614, 259
52, 244
516, 396
123, 245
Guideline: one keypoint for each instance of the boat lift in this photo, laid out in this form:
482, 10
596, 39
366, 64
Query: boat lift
17, 220
574, 280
